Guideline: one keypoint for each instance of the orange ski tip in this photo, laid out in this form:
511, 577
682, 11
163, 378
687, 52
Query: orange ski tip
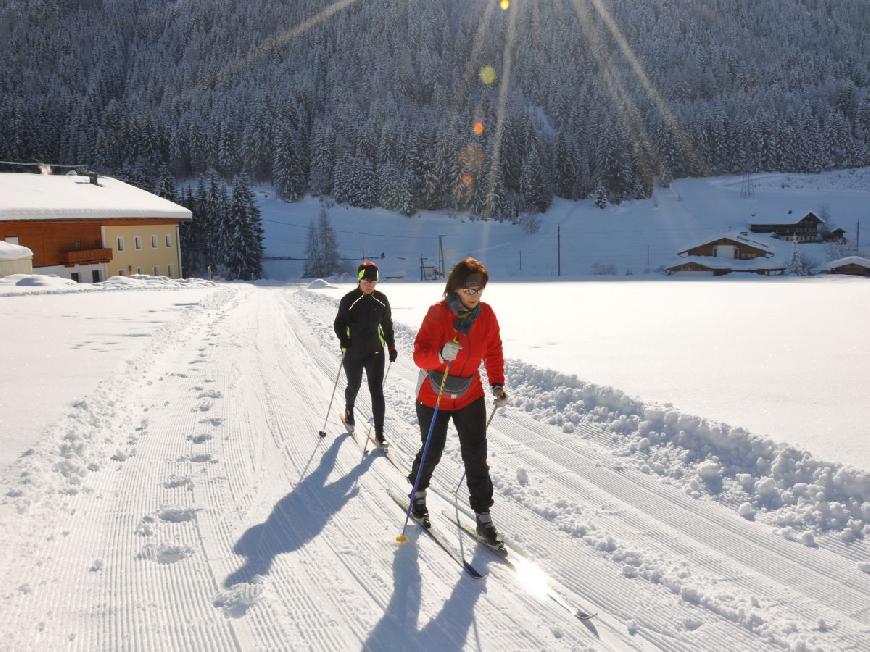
401, 538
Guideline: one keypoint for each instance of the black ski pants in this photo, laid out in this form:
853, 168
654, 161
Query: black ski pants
470, 423
373, 363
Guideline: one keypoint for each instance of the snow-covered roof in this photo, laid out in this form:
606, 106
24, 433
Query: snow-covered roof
784, 220
712, 262
25, 196
9, 251
848, 260
737, 236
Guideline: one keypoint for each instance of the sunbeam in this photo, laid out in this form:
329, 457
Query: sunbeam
267, 46
627, 51
616, 89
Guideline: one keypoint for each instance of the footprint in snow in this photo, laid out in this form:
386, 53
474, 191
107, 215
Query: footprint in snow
176, 481
176, 514
165, 554
236, 601
199, 439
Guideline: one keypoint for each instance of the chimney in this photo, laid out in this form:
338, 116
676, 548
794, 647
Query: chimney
93, 177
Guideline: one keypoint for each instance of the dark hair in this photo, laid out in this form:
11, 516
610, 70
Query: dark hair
466, 270
367, 270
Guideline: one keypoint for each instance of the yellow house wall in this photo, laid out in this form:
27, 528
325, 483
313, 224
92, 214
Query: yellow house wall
131, 259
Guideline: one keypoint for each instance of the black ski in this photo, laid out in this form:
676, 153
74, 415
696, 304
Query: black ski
402, 501
506, 557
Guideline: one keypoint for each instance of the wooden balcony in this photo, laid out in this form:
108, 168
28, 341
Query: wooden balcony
86, 257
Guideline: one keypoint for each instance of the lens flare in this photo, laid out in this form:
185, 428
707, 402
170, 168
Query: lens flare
479, 128
488, 75
505, 4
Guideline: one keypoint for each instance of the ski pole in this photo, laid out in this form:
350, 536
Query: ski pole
366, 440
402, 538
322, 433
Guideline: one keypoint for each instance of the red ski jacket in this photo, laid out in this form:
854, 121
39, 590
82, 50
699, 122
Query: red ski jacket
482, 343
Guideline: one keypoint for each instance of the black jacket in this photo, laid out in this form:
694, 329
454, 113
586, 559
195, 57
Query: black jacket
364, 322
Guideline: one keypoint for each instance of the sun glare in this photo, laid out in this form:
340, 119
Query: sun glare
487, 75
533, 580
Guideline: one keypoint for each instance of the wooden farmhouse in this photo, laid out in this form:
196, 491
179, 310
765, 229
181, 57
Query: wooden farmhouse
88, 228
851, 265
733, 252
807, 229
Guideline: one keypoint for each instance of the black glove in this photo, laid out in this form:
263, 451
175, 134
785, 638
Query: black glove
393, 354
344, 343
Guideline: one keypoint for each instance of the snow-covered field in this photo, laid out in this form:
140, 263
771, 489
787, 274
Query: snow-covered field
184, 501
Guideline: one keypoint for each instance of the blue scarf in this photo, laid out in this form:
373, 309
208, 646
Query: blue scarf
464, 317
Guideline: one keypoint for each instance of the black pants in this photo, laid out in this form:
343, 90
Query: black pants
373, 363
470, 423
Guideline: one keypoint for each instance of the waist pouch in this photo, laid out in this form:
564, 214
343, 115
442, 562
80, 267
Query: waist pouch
454, 386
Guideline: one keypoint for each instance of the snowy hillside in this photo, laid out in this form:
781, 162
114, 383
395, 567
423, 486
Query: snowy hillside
634, 237
184, 501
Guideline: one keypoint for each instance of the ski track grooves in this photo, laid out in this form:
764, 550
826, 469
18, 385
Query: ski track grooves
758, 560
217, 418
819, 574
405, 440
441, 565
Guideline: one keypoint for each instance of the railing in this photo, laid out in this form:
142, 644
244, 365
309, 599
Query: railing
86, 256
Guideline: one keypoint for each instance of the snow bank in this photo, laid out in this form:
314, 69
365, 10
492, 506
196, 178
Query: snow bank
18, 284
782, 484
9, 251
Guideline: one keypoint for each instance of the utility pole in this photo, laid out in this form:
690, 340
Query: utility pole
421, 268
857, 237
558, 250
521, 260
441, 254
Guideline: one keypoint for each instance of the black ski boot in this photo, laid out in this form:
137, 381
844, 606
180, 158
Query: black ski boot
347, 420
383, 442
420, 512
487, 532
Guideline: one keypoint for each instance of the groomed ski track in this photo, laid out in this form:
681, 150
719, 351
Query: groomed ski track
214, 518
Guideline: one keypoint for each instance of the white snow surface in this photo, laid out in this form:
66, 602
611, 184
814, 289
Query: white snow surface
178, 496
9, 251
25, 196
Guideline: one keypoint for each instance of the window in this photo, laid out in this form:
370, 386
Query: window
168, 240
120, 272
169, 271
13, 239
156, 270
138, 270
75, 276
95, 276
120, 243
154, 242
138, 240
78, 245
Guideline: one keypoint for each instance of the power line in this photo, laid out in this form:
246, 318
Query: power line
380, 235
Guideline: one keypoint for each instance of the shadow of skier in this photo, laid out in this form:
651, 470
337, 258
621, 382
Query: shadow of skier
298, 517
447, 631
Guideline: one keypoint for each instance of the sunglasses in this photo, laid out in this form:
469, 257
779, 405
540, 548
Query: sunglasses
472, 291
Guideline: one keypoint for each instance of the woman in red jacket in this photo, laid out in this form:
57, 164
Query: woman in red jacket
461, 331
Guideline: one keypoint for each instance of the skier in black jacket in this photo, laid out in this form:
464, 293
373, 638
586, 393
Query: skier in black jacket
364, 324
